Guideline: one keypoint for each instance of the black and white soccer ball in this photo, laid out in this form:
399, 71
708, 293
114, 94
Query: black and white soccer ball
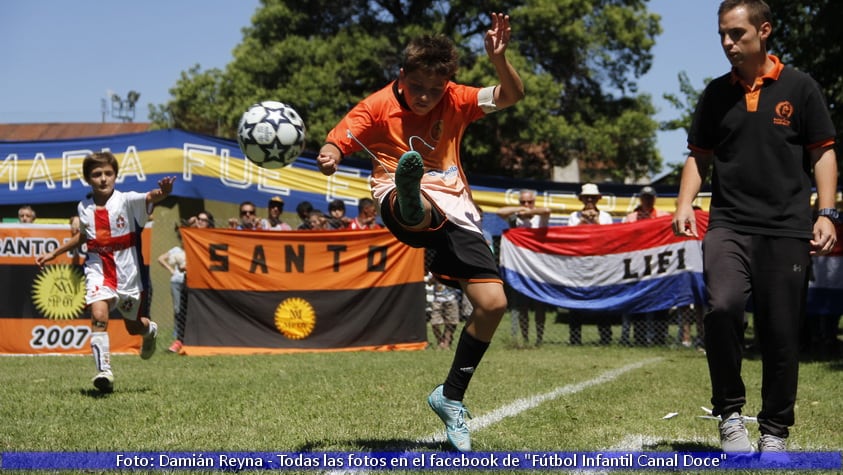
271, 134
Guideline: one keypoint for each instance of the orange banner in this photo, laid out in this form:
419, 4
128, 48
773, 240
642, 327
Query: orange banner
39, 336
298, 260
255, 292
42, 309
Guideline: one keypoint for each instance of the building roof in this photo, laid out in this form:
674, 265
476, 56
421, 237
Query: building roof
68, 130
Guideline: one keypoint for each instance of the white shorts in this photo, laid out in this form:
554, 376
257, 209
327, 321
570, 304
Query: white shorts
129, 305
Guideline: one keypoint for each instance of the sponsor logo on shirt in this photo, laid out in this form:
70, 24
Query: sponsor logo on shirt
784, 111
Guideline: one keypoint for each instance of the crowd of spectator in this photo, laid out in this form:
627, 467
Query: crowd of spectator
310, 218
445, 304
636, 329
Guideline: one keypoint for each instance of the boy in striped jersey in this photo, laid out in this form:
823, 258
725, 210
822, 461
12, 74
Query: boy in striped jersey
111, 223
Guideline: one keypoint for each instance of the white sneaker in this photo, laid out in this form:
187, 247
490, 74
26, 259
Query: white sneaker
149, 341
773, 450
104, 381
771, 443
734, 438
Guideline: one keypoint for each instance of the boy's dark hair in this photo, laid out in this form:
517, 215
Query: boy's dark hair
98, 159
364, 203
336, 204
759, 11
431, 53
304, 208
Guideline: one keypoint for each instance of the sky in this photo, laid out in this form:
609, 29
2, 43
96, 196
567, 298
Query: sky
62, 58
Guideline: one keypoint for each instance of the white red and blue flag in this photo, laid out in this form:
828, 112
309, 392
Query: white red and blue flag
825, 287
633, 267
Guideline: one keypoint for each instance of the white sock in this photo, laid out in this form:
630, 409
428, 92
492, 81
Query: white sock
100, 349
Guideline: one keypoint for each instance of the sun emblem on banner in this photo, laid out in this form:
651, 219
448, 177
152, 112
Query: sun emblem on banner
59, 292
295, 318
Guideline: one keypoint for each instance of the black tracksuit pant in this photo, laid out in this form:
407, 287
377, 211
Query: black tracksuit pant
774, 271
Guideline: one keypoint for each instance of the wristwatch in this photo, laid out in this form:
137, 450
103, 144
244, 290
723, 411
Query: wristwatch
830, 213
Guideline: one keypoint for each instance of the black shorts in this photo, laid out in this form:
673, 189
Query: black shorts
457, 254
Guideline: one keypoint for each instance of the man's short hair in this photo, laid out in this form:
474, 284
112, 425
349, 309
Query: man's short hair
759, 11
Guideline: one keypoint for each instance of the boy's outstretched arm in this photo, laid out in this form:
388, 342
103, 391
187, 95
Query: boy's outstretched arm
72, 243
165, 187
328, 159
511, 89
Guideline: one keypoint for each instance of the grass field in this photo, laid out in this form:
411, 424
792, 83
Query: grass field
553, 398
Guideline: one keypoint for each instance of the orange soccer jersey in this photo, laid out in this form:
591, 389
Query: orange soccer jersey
388, 128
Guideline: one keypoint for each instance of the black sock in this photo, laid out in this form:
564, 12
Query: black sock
469, 352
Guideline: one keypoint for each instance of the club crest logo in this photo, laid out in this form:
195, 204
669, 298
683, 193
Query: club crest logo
295, 318
59, 292
784, 111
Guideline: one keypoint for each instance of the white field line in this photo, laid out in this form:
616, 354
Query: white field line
518, 406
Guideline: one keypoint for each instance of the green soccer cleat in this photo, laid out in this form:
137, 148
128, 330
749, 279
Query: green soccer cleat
408, 177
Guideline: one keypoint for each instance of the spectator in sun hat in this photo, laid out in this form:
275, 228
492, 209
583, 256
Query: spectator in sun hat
274, 209
589, 214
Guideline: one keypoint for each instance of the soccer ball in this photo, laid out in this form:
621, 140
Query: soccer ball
271, 134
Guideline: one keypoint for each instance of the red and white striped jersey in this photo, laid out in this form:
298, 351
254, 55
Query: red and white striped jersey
113, 237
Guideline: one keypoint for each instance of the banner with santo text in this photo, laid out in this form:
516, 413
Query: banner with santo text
42, 310
280, 292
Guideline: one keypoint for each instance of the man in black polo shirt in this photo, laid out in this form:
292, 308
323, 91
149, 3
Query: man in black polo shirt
764, 127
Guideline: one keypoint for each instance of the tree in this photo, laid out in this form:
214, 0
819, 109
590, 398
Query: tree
807, 35
685, 104
579, 60
197, 105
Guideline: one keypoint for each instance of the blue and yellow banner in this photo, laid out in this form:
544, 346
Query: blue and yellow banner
212, 168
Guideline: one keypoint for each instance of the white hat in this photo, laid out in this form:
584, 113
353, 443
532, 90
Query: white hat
589, 189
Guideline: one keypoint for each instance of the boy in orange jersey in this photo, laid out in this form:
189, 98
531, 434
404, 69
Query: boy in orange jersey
412, 129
